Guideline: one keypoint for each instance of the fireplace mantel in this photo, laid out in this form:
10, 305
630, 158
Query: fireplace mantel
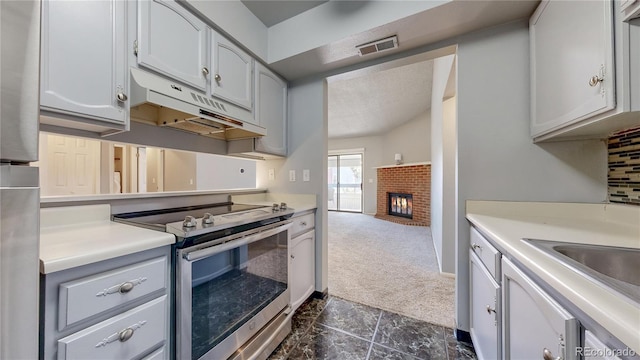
402, 165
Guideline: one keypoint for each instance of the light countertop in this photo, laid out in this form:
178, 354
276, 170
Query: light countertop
506, 223
298, 202
78, 235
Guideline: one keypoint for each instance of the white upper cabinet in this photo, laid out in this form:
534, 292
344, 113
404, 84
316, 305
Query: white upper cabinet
173, 42
572, 65
580, 67
271, 111
630, 9
84, 64
232, 78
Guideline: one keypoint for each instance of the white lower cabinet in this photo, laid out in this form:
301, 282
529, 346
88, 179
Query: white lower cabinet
125, 336
112, 309
594, 349
485, 310
534, 325
302, 253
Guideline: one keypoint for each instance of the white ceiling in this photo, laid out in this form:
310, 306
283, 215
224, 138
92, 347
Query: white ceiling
376, 103
373, 103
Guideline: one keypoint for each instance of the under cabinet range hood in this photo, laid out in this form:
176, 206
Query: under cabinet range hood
161, 102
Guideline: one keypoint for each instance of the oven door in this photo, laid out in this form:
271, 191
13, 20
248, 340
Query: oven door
229, 291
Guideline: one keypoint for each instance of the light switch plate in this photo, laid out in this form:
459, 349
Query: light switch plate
292, 175
305, 175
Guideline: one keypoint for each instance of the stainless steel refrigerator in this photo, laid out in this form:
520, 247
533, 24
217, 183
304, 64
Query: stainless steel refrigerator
19, 191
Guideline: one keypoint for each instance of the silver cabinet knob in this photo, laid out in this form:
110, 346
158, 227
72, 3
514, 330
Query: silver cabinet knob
189, 222
126, 287
205, 71
476, 246
547, 355
293, 256
207, 219
218, 78
303, 223
490, 309
125, 334
595, 80
122, 97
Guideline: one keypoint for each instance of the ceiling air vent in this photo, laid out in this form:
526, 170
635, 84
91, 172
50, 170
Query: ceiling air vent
378, 46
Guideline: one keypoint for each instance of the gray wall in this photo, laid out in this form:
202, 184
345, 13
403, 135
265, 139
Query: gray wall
496, 157
443, 181
412, 140
223, 172
307, 130
179, 171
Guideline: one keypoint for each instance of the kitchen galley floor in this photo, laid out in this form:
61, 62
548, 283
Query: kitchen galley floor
340, 329
388, 266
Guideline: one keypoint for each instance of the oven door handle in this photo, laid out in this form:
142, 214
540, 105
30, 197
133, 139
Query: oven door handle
247, 239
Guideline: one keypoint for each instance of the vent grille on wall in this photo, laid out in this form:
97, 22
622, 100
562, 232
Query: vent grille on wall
378, 46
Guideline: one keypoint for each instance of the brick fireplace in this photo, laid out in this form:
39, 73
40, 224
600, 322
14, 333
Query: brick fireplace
410, 179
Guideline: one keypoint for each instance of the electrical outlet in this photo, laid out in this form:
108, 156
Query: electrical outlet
305, 175
190, 181
292, 175
272, 174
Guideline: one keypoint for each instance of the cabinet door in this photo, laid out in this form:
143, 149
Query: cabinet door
534, 324
233, 70
485, 310
271, 111
571, 49
173, 42
302, 268
83, 59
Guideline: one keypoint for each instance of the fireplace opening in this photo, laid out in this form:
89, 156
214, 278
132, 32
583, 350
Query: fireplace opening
401, 205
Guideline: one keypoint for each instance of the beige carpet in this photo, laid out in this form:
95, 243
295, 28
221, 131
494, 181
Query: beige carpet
389, 266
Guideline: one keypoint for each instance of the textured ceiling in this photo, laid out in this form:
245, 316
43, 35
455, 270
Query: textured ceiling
375, 103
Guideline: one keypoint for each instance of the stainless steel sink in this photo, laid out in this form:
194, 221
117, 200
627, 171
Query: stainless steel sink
614, 267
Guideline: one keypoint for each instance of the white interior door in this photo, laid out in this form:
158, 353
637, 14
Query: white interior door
72, 166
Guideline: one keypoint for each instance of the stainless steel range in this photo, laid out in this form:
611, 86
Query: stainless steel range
231, 277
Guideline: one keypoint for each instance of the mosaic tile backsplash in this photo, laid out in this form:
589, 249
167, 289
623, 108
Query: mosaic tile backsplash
624, 167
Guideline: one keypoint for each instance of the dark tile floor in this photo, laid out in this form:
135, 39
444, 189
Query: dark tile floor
338, 329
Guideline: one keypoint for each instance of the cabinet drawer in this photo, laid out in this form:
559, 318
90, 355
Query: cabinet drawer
302, 224
142, 329
488, 254
80, 299
160, 354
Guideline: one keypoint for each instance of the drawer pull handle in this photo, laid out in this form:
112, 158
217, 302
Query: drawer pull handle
122, 335
490, 310
123, 288
125, 334
126, 287
303, 223
547, 355
475, 246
